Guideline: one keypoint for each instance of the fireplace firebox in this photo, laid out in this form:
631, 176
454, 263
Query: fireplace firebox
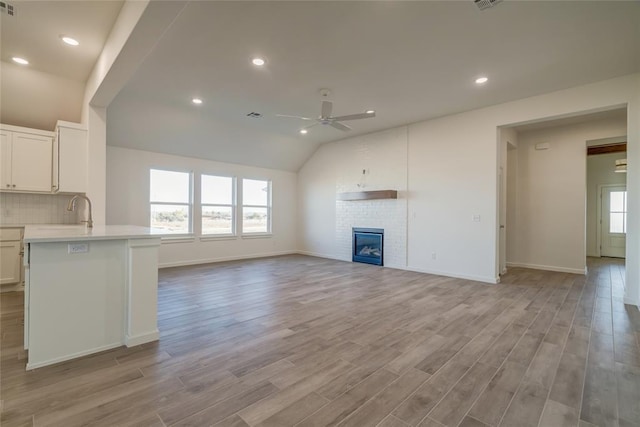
368, 245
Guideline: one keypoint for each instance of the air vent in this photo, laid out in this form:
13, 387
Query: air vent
254, 115
7, 8
486, 4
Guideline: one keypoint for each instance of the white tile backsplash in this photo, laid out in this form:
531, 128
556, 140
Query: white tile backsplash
391, 215
382, 160
20, 209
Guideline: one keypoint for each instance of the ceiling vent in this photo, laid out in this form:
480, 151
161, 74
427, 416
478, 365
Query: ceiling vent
486, 4
7, 8
254, 115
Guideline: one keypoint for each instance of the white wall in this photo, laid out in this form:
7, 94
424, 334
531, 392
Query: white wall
137, 29
599, 172
336, 168
128, 203
35, 99
550, 206
452, 172
452, 177
94, 117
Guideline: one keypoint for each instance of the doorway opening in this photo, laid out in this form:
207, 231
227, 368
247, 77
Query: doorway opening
606, 197
549, 192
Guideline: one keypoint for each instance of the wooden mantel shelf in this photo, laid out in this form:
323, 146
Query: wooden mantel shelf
369, 195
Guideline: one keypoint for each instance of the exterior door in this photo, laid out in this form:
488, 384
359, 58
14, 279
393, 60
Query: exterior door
614, 221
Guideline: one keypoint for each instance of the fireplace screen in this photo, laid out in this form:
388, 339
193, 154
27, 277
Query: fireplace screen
368, 245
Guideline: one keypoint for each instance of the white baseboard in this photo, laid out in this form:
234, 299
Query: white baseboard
31, 366
492, 280
319, 255
223, 259
582, 271
484, 279
141, 338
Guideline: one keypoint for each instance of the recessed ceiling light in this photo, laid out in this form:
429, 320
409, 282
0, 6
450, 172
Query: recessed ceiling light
197, 101
303, 131
481, 80
70, 41
20, 61
258, 61
370, 111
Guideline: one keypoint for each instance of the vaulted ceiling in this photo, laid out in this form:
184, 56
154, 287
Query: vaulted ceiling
409, 61
51, 87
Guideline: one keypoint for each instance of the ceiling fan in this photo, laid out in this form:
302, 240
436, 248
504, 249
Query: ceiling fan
327, 119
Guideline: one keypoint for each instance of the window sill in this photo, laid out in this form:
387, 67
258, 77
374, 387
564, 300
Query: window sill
257, 236
179, 238
213, 238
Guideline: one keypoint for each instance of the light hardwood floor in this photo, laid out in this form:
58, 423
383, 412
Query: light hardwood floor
305, 341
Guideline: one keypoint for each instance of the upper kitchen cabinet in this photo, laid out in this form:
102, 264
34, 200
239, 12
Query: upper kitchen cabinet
70, 158
25, 158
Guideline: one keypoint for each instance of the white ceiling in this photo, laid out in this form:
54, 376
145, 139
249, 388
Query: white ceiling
409, 61
51, 87
34, 34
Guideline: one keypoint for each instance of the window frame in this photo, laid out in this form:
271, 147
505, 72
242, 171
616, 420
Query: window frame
233, 206
624, 212
189, 204
268, 206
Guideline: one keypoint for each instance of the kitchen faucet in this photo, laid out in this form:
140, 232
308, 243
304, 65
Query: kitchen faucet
72, 206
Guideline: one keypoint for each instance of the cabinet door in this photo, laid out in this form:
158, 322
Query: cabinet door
10, 268
5, 160
31, 162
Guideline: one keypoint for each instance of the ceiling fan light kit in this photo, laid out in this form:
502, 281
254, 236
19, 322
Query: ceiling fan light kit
621, 166
325, 118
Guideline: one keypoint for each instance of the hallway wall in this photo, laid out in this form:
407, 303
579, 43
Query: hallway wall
552, 195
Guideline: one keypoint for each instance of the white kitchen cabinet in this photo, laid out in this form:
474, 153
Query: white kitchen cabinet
25, 157
10, 258
70, 158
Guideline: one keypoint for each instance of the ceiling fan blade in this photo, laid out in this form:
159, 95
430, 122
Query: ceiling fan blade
293, 117
325, 111
355, 116
310, 126
340, 126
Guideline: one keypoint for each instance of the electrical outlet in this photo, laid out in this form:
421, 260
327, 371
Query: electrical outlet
78, 248
476, 218
433, 255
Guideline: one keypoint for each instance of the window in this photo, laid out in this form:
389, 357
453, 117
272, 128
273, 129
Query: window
170, 199
256, 206
618, 212
218, 205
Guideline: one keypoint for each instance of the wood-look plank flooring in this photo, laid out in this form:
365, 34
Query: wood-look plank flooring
304, 341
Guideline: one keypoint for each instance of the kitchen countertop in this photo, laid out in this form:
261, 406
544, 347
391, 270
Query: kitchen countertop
39, 233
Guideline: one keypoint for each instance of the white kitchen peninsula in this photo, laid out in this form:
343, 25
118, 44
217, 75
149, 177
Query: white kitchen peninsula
88, 290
